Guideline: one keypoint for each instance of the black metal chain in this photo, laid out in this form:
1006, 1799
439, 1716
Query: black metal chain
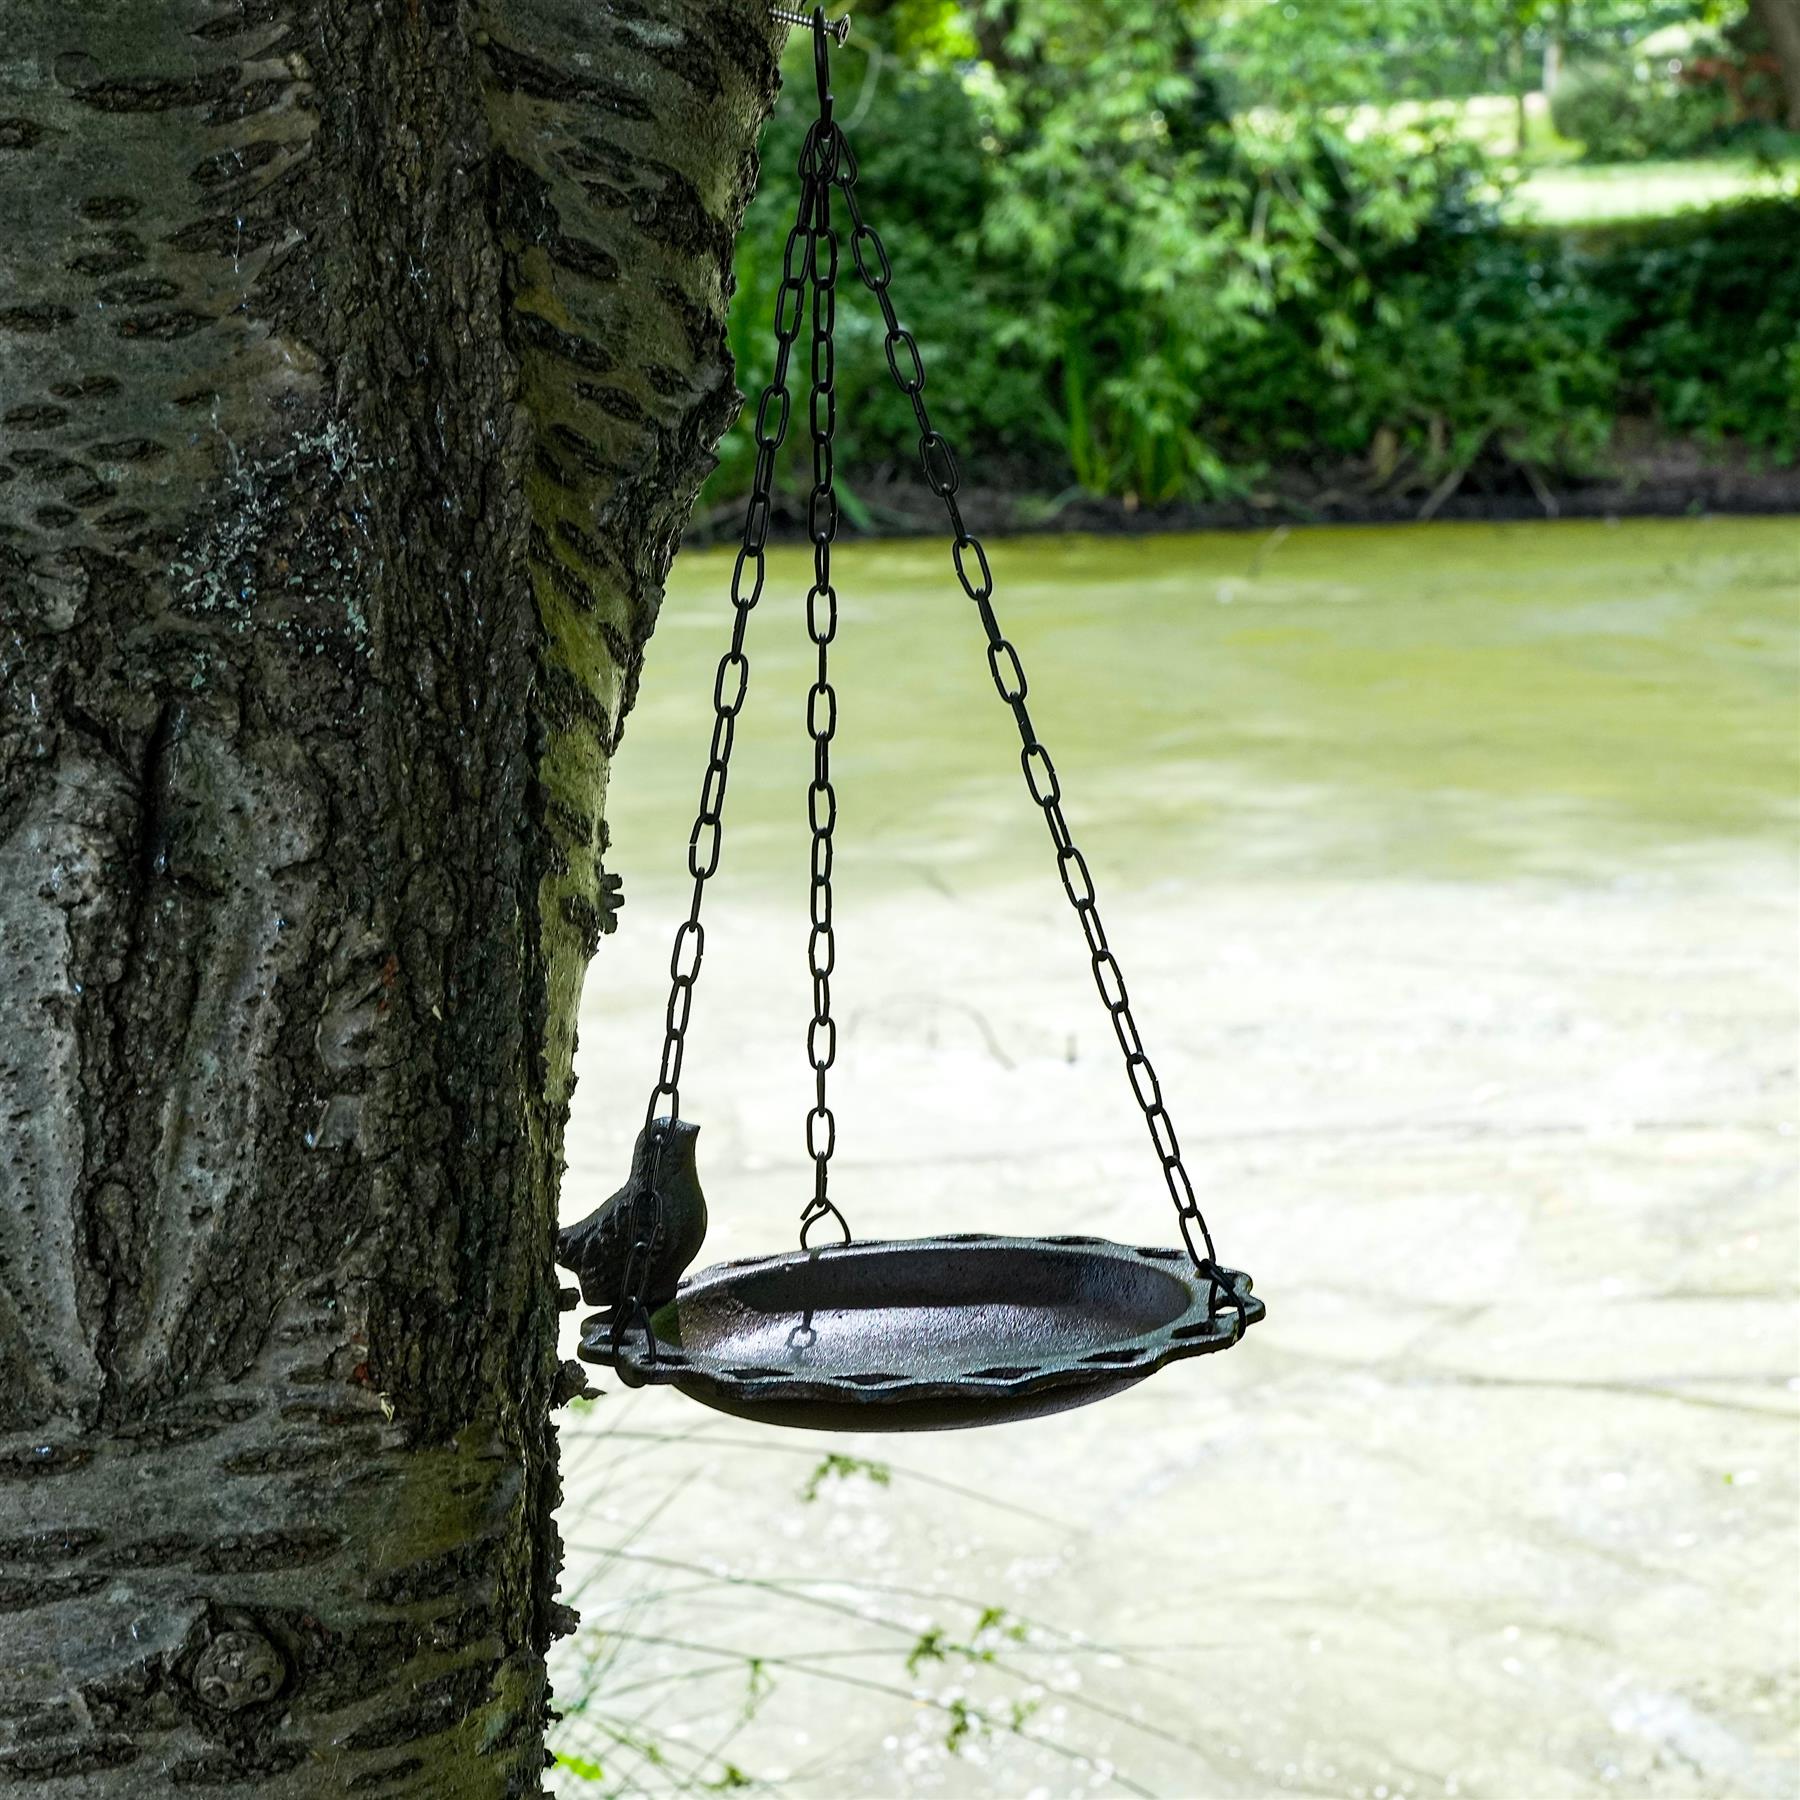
811, 260
943, 477
821, 698
731, 685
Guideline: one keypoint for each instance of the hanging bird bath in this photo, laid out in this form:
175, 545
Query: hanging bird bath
913, 1334
929, 1333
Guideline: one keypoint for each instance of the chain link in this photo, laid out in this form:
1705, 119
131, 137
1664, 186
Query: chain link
944, 478
731, 685
821, 698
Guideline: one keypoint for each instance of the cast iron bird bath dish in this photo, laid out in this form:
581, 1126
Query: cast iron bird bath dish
920, 1333
931, 1333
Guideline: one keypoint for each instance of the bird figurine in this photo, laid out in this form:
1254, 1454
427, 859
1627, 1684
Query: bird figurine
598, 1248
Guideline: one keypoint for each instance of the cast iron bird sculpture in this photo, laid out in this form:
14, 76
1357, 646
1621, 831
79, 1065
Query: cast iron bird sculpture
598, 1248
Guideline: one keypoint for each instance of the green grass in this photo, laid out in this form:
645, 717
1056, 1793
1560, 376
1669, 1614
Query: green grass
1559, 189
1598, 193
1490, 120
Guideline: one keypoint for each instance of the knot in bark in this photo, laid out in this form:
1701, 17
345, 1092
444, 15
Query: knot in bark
237, 1669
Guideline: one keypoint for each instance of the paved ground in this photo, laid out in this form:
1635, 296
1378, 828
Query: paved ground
1454, 871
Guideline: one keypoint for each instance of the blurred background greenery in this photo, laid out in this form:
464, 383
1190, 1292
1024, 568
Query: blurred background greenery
1356, 259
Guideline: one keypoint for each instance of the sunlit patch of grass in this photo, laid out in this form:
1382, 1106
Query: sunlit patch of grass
1596, 193
1490, 120
1554, 187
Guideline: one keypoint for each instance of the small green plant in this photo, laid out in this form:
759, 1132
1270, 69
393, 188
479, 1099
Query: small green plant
836, 1467
993, 1631
759, 1684
928, 1648
963, 1723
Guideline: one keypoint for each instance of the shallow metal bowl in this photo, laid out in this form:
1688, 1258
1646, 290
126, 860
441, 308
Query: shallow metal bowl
924, 1334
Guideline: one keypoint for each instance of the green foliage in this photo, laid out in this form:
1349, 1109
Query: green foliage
1149, 250
1485, 346
993, 1632
1162, 236
926, 182
1707, 322
1495, 348
964, 1721
1162, 331
1624, 111
929, 1647
836, 1467
1510, 349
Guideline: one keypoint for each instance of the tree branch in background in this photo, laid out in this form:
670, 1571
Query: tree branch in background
1780, 20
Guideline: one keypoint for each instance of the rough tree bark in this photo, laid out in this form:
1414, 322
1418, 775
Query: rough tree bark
359, 360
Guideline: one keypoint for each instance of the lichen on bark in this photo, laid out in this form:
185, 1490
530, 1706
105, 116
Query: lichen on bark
358, 365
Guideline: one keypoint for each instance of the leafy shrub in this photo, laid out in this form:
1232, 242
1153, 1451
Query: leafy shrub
1484, 347
1708, 321
1172, 309
1522, 348
1162, 239
925, 184
1627, 111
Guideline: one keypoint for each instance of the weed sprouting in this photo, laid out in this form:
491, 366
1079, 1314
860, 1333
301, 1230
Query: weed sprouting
844, 1468
928, 1648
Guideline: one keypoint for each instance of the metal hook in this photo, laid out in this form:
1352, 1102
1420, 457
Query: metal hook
838, 31
822, 66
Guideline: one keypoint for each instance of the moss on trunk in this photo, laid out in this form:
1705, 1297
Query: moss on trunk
358, 365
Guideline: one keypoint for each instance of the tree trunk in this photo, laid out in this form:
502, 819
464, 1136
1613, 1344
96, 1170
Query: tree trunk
992, 24
1521, 81
1780, 20
359, 360
1556, 36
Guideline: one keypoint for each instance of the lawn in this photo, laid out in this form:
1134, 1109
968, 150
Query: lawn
1596, 193
1558, 188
